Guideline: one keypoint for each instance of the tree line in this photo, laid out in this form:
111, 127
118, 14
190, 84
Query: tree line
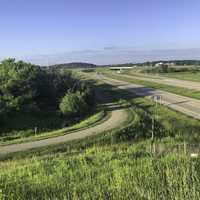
27, 87
175, 62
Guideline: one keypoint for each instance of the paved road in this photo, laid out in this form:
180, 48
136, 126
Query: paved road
186, 105
167, 81
118, 116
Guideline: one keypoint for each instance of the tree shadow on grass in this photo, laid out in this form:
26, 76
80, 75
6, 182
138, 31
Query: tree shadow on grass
107, 94
111, 95
25, 122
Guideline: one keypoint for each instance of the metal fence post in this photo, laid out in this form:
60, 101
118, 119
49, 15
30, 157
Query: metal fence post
185, 147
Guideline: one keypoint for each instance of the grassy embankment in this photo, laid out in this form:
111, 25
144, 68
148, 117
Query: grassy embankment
171, 127
108, 172
112, 165
169, 122
188, 75
92, 120
19, 127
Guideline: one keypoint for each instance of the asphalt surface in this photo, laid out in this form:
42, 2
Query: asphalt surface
118, 117
186, 105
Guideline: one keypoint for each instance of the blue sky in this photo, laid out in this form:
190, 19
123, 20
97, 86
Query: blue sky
100, 31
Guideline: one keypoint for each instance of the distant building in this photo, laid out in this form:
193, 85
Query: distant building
161, 64
120, 68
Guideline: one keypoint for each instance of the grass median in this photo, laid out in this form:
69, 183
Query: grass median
172, 89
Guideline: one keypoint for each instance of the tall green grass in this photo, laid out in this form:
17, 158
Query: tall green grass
109, 172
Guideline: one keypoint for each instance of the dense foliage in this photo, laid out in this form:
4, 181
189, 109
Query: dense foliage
52, 86
73, 65
28, 88
73, 104
77, 103
168, 69
18, 86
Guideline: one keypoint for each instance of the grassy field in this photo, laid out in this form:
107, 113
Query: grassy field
168, 88
109, 172
187, 75
190, 76
170, 126
112, 165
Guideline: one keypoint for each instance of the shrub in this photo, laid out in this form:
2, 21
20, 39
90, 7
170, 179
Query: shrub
17, 84
73, 105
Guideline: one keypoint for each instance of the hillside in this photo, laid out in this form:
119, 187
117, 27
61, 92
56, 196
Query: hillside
145, 155
74, 65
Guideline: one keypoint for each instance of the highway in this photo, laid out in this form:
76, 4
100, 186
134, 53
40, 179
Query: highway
186, 105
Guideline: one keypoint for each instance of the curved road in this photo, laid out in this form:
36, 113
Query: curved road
118, 117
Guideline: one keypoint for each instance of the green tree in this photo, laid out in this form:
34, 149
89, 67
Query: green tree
73, 104
17, 84
52, 86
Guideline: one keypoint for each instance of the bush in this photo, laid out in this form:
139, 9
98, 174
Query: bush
17, 84
25, 85
52, 85
73, 105
87, 92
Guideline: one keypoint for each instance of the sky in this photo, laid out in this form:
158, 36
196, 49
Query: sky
99, 31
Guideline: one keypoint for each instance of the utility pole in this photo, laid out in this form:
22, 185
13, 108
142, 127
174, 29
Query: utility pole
153, 131
160, 100
35, 130
185, 147
152, 128
153, 147
155, 99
